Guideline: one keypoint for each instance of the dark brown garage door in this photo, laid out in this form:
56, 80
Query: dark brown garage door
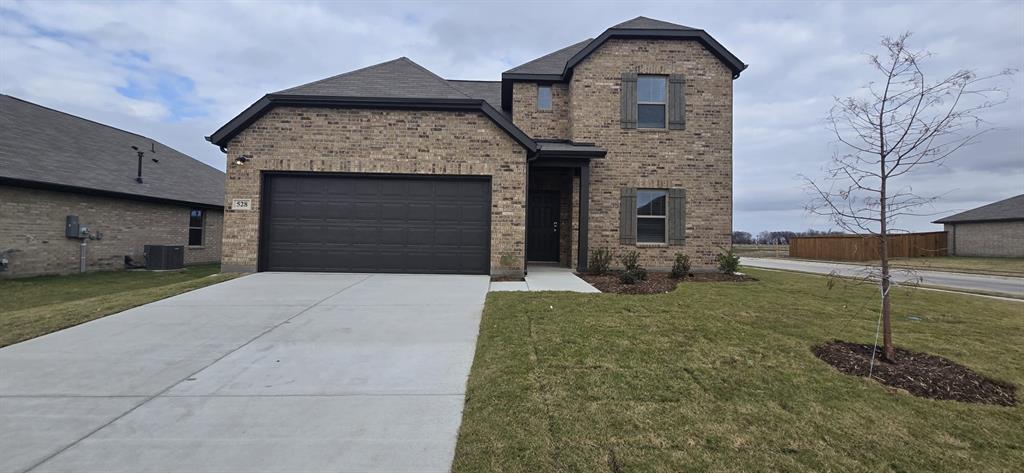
391, 224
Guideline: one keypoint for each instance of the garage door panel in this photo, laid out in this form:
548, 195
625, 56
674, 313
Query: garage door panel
377, 223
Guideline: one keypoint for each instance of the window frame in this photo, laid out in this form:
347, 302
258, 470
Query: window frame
664, 103
663, 217
201, 227
551, 97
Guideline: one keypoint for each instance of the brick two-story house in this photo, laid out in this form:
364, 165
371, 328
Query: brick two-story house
623, 142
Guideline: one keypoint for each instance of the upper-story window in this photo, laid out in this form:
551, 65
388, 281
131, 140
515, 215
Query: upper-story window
650, 101
543, 97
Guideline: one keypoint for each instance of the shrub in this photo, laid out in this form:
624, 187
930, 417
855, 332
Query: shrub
681, 266
600, 261
728, 262
633, 271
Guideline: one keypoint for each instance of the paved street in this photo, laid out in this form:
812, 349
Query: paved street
954, 281
271, 372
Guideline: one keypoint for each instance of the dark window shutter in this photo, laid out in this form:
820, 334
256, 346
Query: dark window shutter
627, 98
676, 216
676, 102
627, 216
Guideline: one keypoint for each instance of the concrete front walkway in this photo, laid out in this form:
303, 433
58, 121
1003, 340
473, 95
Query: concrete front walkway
266, 373
545, 277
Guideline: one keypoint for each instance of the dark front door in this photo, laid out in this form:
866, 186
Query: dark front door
375, 223
542, 226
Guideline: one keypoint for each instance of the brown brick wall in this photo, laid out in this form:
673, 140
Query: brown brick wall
378, 141
32, 231
698, 158
1001, 239
541, 124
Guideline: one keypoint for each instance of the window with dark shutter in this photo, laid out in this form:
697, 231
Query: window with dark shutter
650, 101
676, 102
651, 216
627, 97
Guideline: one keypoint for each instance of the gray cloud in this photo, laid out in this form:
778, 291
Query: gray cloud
83, 57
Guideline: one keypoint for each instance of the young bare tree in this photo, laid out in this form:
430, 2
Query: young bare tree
899, 123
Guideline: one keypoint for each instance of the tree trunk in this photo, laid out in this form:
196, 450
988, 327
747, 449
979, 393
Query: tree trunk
888, 351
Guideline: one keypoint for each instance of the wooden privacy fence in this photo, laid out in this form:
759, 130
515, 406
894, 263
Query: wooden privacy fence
865, 248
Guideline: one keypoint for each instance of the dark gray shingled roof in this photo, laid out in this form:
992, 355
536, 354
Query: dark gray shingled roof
1008, 209
556, 66
398, 78
42, 146
644, 23
399, 83
553, 63
489, 90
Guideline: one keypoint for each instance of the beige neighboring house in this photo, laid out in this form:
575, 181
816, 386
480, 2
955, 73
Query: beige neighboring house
623, 141
54, 165
996, 229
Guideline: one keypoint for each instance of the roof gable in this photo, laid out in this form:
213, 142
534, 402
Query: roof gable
644, 23
398, 78
396, 84
557, 66
47, 147
1006, 209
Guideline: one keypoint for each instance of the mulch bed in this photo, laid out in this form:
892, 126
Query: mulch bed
656, 283
920, 374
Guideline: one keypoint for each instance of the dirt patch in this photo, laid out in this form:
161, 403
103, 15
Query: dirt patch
507, 278
920, 374
656, 283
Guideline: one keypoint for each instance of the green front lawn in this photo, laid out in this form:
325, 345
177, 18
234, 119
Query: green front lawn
31, 307
720, 377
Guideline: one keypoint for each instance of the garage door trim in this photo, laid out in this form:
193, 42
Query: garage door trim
265, 178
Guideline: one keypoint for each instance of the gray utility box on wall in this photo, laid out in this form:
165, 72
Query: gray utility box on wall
164, 257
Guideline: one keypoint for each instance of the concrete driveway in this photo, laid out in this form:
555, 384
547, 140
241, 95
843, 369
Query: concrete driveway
273, 372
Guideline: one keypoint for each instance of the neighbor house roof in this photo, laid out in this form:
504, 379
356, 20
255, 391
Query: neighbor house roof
399, 83
42, 147
1008, 209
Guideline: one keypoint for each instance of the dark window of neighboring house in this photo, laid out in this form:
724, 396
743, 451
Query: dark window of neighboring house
650, 102
196, 219
650, 215
543, 97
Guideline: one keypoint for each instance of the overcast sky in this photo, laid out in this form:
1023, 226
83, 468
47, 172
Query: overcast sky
178, 71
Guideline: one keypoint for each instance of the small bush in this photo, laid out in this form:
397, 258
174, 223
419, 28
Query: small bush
632, 272
630, 260
681, 266
728, 262
600, 261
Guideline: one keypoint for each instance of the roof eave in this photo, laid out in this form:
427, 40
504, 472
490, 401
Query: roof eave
53, 186
978, 220
224, 135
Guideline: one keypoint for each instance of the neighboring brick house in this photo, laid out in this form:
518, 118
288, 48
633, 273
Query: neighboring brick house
53, 165
996, 229
622, 142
